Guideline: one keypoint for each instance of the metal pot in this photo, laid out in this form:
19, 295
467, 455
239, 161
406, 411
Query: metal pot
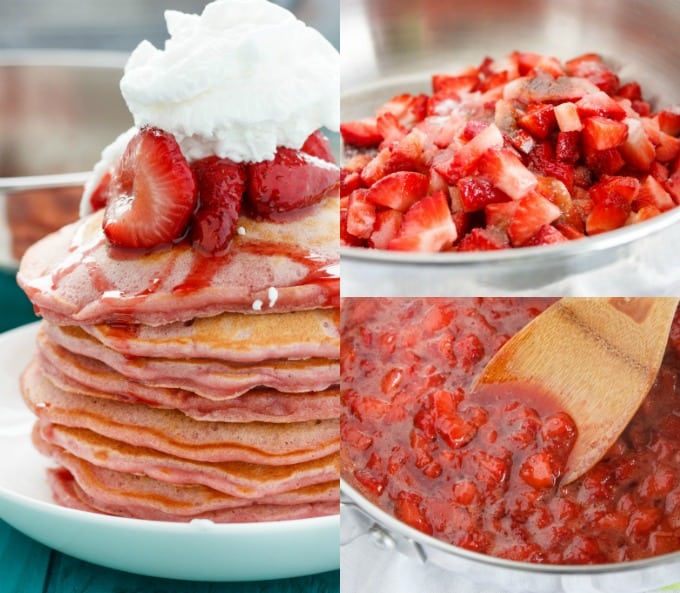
57, 111
394, 46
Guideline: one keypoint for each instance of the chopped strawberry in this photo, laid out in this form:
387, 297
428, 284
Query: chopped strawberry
567, 147
463, 160
669, 120
543, 88
626, 187
542, 160
476, 192
406, 108
389, 128
362, 133
602, 133
668, 148
377, 167
672, 185
592, 67
644, 213
453, 84
638, 151
630, 91
426, 226
318, 145
567, 117
399, 190
652, 193
361, 215
221, 185
599, 103
539, 121
408, 153
507, 172
291, 180
346, 238
547, 235
608, 214
480, 239
387, 223
498, 216
532, 213
152, 193
604, 162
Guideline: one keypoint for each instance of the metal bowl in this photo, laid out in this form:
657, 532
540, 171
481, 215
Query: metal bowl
393, 46
57, 111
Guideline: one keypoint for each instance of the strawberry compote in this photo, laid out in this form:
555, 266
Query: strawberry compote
519, 151
482, 470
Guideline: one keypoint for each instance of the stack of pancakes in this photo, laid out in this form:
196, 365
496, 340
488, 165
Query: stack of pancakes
172, 385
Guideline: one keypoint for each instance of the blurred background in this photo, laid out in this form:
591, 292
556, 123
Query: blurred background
60, 105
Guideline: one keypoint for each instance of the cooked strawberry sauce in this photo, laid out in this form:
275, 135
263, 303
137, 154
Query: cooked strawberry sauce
482, 470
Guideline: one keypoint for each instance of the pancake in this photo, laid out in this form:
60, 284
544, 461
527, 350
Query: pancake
209, 378
79, 374
68, 493
243, 480
231, 337
73, 276
174, 433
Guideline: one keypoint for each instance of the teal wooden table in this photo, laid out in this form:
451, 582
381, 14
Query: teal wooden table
29, 567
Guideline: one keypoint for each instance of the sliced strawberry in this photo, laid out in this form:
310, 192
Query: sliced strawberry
480, 239
387, 223
389, 128
638, 151
426, 226
100, 195
362, 133
221, 185
599, 103
291, 180
399, 190
532, 213
602, 133
152, 193
539, 121
507, 173
318, 145
407, 109
476, 192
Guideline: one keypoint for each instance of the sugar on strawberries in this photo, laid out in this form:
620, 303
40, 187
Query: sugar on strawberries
520, 151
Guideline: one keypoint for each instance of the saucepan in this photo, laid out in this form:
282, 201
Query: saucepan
394, 46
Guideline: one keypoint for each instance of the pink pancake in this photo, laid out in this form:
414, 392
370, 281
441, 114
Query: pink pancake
243, 480
68, 493
172, 432
211, 379
232, 337
87, 376
74, 277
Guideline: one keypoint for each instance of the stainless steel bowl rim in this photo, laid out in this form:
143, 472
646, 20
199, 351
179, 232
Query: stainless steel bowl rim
394, 526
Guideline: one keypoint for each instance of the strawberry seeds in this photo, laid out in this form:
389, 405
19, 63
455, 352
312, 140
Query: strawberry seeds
521, 151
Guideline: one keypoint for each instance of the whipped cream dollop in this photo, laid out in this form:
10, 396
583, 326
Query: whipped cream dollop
237, 81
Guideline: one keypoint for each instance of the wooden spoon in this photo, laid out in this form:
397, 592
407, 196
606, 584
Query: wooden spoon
598, 357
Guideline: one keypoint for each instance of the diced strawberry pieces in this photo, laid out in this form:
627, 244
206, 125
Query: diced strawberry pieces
608, 214
426, 226
652, 193
221, 185
482, 239
361, 214
672, 185
463, 161
453, 84
544, 88
507, 172
533, 212
568, 147
407, 109
152, 193
399, 190
346, 238
362, 133
540, 470
567, 117
600, 103
476, 192
667, 148
387, 223
407, 508
318, 145
637, 150
547, 235
542, 160
291, 180
602, 133
377, 167
630, 91
626, 187
408, 153
604, 162
592, 67
539, 121
389, 128
669, 120
498, 216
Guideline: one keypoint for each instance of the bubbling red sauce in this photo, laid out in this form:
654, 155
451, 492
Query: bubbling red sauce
481, 470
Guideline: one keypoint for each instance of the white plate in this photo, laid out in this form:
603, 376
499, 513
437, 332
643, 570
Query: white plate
200, 550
